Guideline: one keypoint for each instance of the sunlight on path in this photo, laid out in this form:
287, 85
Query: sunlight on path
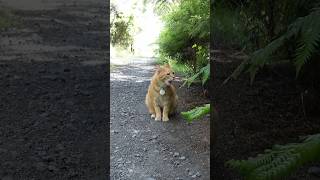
132, 69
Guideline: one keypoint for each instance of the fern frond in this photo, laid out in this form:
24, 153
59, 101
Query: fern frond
280, 161
310, 36
196, 113
204, 74
306, 30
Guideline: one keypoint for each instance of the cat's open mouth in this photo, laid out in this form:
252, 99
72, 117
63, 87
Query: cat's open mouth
168, 82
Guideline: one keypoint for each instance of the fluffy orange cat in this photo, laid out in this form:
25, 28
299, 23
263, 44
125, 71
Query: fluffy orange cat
162, 94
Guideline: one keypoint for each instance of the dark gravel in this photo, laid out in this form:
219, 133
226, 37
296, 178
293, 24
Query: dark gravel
53, 91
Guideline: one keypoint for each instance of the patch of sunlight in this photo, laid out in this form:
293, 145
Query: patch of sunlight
136, 73
148, 26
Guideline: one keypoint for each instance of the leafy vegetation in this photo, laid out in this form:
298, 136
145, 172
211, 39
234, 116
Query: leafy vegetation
196, 113
273, 32
304, 33
121, 30
185, 38
280, 161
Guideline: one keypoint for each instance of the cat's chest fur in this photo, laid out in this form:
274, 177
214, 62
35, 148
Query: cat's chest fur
162, 100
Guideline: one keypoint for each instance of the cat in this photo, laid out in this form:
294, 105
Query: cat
162, 94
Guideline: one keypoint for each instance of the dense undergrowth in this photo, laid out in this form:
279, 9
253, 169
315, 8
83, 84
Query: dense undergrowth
273, 32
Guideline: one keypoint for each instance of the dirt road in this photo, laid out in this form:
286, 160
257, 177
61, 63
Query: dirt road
53, 91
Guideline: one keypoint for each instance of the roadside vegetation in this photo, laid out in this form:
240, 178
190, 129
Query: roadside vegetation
273, 33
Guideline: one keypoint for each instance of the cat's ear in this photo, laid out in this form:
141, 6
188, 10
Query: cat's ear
167, 66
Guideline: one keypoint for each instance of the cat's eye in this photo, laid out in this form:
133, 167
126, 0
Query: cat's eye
172, 72
168, 74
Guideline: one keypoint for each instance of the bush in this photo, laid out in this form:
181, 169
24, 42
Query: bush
121, 30
186, 25
228, 28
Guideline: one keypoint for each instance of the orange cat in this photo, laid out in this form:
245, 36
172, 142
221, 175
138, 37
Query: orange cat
162, 94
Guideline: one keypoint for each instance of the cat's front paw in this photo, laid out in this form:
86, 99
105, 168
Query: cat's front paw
153, 116
165, 119
158, 119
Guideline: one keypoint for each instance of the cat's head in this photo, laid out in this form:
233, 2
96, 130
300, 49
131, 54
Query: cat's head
165, 74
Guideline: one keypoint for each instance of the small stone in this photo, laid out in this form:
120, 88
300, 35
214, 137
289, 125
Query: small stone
40, 166
175, 154
52, 168
149, 178
154, 137
195, 175
114, 131
182, 158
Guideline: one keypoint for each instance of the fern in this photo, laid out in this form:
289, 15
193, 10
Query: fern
204, 74
305, 30
280, 161
196, 113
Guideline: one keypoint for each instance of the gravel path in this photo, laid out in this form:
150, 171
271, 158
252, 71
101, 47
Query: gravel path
142, 148
53, 91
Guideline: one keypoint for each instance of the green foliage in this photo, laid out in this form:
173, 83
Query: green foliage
256, 22
280, 161
185, 39
227, 28
203, 74
202, 60
196, 113
162, 6
121, 29
305, 31
185, 25
176, 66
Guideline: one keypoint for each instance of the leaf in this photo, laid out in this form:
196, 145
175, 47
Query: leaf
280, 161
196, 113
305, 30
